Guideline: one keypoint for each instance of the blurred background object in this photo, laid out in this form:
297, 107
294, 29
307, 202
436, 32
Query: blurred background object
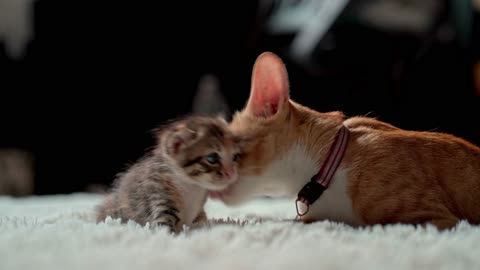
83, 84
476, 44
15, 26
209, 99
16, 172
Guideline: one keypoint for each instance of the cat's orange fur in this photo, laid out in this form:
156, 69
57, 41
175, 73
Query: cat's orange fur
390, 175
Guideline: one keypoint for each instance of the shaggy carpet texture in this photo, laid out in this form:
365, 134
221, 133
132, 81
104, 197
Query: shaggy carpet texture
59, 232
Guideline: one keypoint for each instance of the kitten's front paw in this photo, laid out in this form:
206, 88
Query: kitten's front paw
201, 219
172, 228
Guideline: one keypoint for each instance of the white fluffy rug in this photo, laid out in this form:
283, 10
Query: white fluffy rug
59, 232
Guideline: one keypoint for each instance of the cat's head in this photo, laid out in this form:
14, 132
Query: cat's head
203, 149
274, 125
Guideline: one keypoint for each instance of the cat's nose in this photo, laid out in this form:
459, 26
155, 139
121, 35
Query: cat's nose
228, 172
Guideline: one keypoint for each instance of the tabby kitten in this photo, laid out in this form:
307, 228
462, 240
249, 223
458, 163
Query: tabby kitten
385, 174
169, 186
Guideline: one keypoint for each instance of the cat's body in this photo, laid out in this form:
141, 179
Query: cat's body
169, 186
388, 175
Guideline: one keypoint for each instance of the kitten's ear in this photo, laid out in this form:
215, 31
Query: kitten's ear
269, 93
180, 137
209, 100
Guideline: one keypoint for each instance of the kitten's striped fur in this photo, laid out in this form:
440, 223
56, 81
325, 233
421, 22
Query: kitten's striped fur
169, 185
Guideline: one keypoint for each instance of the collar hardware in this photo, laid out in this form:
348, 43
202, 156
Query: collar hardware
313, 189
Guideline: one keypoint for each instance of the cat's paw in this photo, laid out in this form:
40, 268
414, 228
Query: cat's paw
201, 219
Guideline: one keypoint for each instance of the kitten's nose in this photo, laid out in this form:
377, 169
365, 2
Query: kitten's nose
228, 172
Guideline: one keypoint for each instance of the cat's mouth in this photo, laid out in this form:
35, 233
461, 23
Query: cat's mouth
221, 194
218, 185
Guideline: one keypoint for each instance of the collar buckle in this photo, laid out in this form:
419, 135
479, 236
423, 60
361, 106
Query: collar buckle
310, 192
320, 182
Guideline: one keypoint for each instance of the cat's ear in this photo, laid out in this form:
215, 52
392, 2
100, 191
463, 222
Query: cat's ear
269, 93
180, 136
209, 100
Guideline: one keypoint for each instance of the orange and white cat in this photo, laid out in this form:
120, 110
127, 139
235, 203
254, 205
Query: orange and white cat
387, 175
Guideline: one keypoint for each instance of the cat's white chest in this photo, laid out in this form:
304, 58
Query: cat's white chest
286, 176
334, 204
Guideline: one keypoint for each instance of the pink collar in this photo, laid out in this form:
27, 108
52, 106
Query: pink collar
320, 181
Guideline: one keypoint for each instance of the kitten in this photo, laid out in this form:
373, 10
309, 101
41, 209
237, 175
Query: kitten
169, 186
387, 174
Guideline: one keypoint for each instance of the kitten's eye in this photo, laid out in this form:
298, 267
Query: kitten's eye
213, 158
236, 157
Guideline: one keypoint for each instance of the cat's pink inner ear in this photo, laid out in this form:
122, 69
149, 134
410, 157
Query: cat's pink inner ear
270, 88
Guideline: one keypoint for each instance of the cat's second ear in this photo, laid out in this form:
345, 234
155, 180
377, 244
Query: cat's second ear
209, 100
269, 92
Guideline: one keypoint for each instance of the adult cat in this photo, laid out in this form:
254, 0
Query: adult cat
387, 174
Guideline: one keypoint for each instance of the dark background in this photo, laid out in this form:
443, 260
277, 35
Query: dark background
99, 75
